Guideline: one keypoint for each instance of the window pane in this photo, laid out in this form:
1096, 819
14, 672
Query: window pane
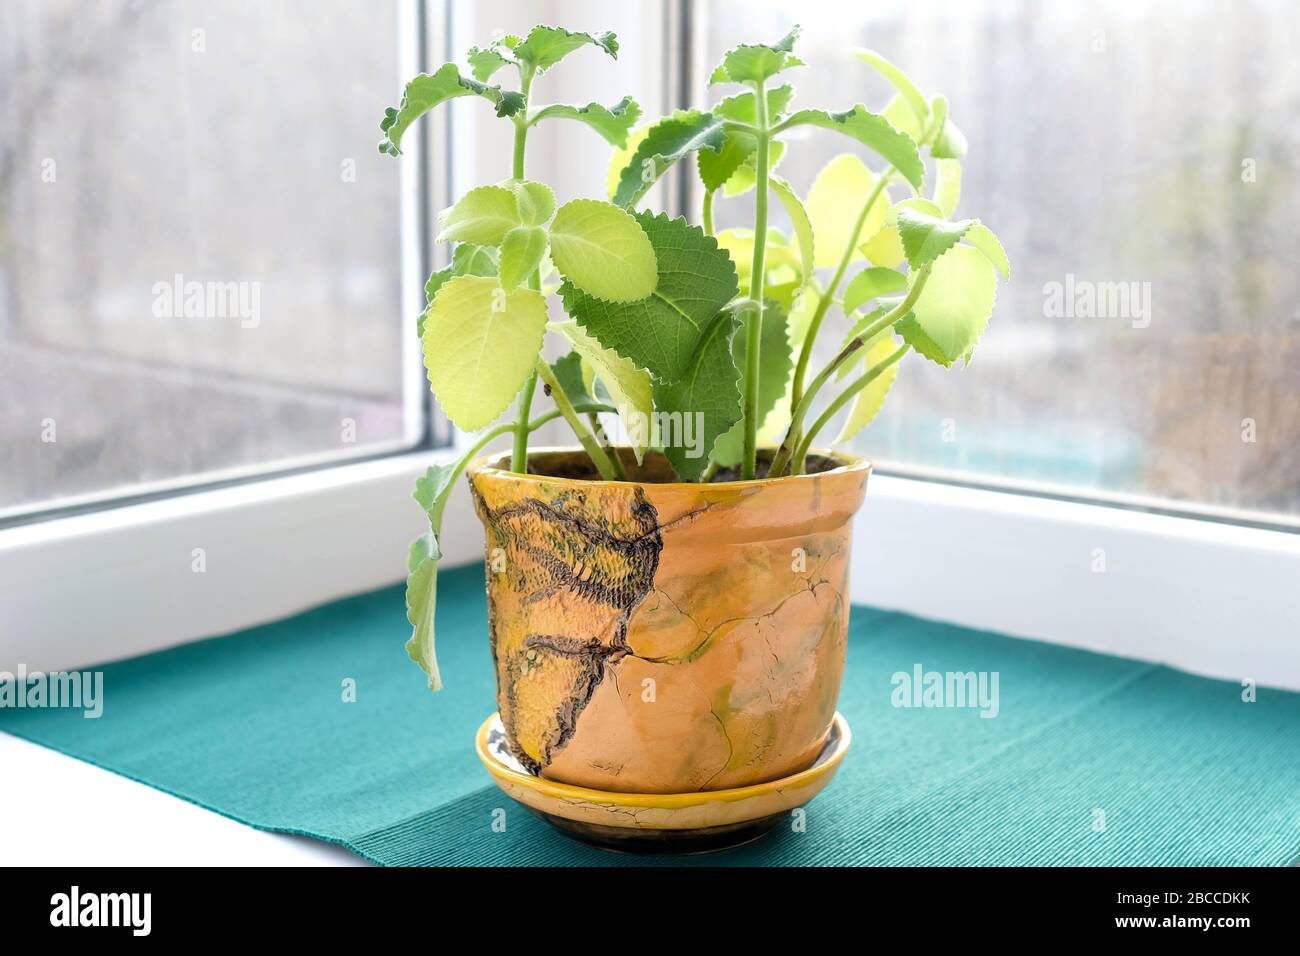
1110, 142
199, 243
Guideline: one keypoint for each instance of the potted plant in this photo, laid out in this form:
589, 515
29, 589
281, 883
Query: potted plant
668, 613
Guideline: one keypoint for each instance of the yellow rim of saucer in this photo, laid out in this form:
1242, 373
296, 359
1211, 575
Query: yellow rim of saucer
825, 765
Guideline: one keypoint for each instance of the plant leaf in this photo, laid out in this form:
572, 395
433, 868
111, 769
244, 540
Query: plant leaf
667, 142
619, 159
612, 123
603, 251
869, 400
981, 237
953, 309
521, 253
925, 237
629, 387
568, 372
755, 62
485, 61
746, 175
421, 599
535, 201
546, 46
482, 216
801, 223
662, 332
872, 131
775, 368
739, 245
885, 248
902, 118
480, 344
743, 106
716, 168
706, 399
834, 203
947, 186
907, 90
431, 287
947, 141
428, 90
870, 283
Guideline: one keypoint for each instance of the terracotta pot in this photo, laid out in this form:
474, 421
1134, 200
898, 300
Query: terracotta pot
664, 637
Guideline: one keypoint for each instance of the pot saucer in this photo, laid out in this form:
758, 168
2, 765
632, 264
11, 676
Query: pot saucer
696, 822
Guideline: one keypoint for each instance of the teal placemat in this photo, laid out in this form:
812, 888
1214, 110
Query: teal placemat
1177, 768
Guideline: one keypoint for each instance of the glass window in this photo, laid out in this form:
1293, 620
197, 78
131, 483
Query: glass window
199, 243
1149, 144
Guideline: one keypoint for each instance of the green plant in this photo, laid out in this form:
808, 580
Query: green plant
666, 318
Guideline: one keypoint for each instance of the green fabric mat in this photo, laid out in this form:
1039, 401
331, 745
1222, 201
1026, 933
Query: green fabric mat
253, 726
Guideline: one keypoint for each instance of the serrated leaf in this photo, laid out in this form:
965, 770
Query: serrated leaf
485, 61
695, 280
870, 399
946, 140
981, 237
870, 283
755, 62
482, 216
885, 248
568, 372
953, 309
480, 344
667, 142
901, 82
546, 46
535, 201
746, 175
431, 287
421, 600
613, 123
871, 130
799, 221
947, 186
902, 118
472, 260
521, 253
776, 365
427, 90
925, 237
602, 250
743, 106
705, 399
834, 203
716, 168
629, 387
433, 488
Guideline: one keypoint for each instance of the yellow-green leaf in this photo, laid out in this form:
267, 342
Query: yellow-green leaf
834, 202
954, 307
480, 344
603, 251
869, 400
482, 216
521, 253
799, 219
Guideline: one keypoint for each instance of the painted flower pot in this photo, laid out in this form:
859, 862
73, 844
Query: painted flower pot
656, 637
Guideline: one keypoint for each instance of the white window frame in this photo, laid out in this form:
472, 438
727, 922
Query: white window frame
1205, 596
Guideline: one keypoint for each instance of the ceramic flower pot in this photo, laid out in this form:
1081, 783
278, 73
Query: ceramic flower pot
659, 637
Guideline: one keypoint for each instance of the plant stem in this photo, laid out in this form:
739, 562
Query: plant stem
754, 311
706, 212
805, 353
841, 400
593, 449
793, 439
614, 457
519, 454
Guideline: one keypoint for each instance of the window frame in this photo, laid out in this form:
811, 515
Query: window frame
421, 183
1210, 597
